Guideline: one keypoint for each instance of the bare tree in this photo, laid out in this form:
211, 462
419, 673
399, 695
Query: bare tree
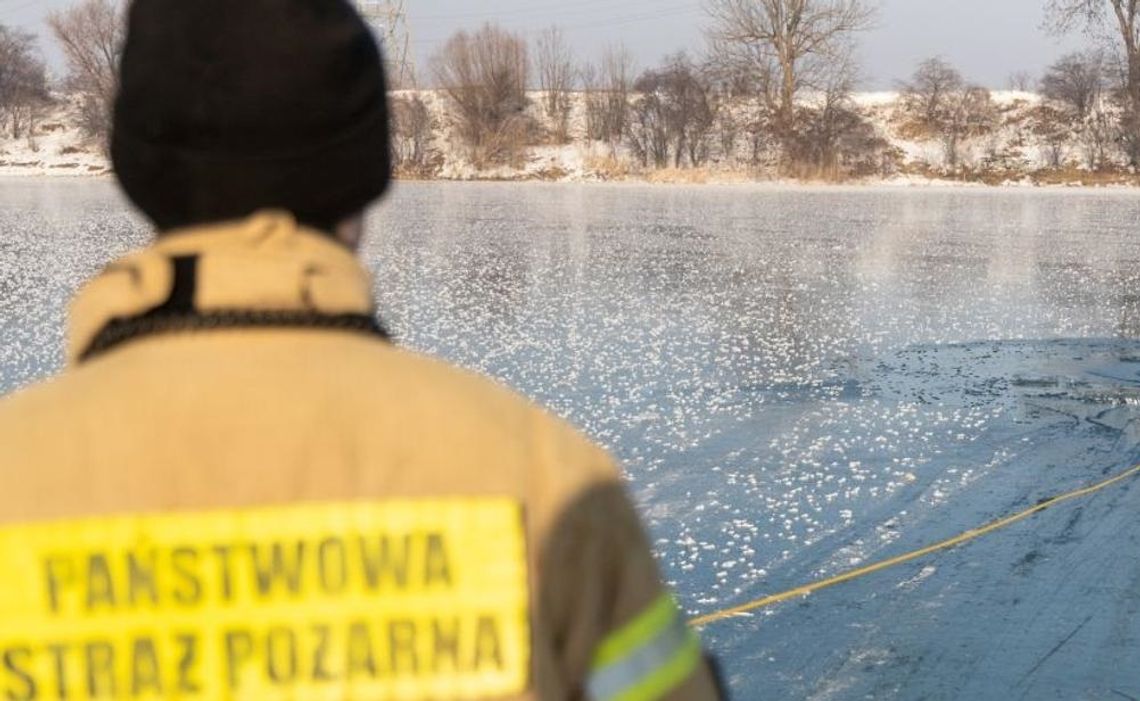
556, 79
609, 87
689, 93
946, 106
699, 117
726, 125
411, 133
618, 70
1097, 134
649, 128
23, 82
743, 108
590, 79
788, 45
1076, 81
930, 89
1054, 130
1077, 84
1119, 22
673, 117
485, 75
969, 112
91, 35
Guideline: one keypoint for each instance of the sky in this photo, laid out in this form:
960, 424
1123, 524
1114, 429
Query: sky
986, 39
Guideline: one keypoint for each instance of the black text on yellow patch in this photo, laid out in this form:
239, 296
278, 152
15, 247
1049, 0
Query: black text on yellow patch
394, 600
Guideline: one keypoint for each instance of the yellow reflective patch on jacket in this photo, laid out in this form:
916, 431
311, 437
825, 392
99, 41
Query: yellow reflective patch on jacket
647, 658
396, 600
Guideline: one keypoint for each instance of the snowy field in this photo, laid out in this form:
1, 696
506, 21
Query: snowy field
798, 381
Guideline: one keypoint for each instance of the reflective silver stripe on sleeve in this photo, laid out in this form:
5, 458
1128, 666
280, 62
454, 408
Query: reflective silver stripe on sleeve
624, 678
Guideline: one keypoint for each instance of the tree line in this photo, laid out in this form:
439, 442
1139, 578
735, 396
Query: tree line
90, 35
773, 88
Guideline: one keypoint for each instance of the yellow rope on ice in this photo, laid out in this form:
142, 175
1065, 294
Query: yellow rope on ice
910, 556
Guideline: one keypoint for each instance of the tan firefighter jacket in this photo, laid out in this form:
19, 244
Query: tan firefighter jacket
240, 489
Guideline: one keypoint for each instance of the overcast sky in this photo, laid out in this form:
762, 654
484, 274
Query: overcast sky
987, 39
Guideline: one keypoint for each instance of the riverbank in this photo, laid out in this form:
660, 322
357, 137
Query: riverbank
1017, 151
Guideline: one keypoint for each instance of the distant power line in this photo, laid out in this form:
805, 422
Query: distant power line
390, 18
531, 10
20, 6
642, 16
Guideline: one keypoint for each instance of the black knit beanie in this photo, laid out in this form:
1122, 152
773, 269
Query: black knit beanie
231, 106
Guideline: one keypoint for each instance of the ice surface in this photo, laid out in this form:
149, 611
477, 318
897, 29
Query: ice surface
798, 381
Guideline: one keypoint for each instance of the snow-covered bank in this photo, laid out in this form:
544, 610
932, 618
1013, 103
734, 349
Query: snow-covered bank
54, 147
1017, 139
1018, 149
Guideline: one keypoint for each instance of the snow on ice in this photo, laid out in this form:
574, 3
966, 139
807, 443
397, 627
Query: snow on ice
798, 381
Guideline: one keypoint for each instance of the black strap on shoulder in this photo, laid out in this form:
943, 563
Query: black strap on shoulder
181, 300
179, 315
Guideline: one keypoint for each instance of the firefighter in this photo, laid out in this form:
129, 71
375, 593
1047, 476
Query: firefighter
240, 487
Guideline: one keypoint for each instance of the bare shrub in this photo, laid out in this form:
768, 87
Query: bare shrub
1099, 131
556, 77
618, 69
649, 130
1128, 125
594, 98
727, 126
411, 134
608, 89
1076, 81
926, 95
485, 75
91, 35
835, 142
607, 167
23, 83
969, 113
697, 117
744, 118
673, 115
832, 140
940, 101
1053, 129
765, 147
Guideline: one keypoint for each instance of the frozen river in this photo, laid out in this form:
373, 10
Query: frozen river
797, 381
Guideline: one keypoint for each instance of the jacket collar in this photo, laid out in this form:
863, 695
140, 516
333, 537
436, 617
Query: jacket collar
267, 263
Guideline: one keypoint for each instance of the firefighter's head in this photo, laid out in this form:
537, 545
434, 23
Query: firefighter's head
227, 107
